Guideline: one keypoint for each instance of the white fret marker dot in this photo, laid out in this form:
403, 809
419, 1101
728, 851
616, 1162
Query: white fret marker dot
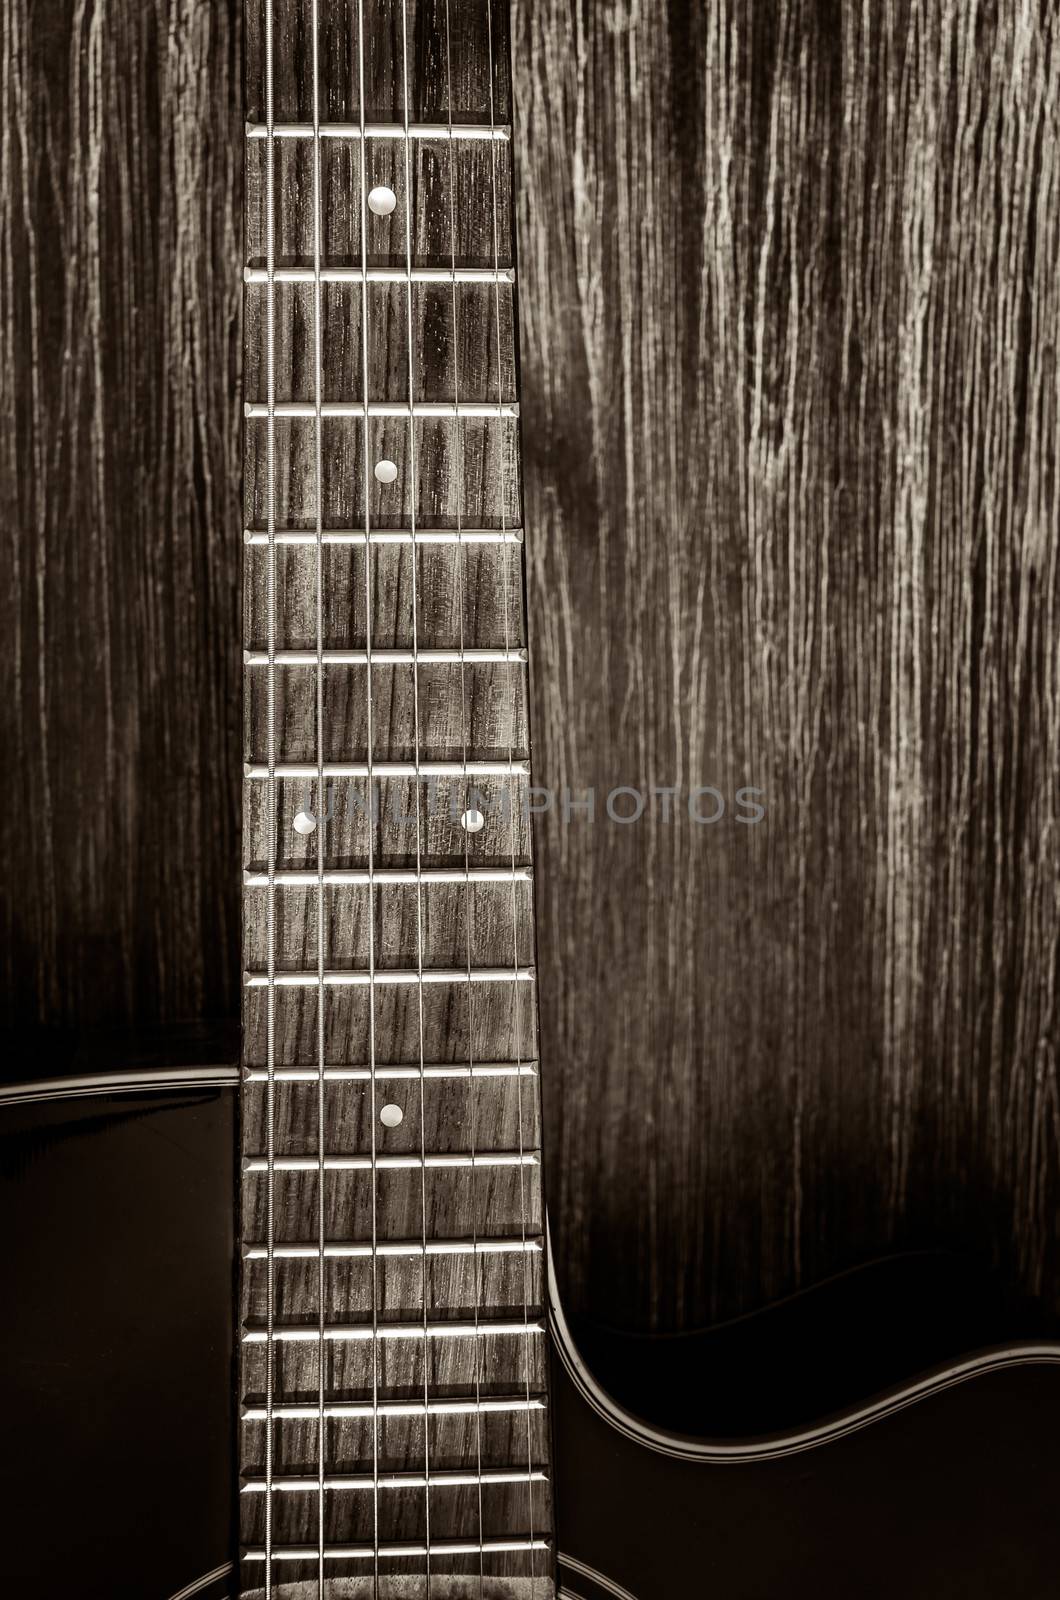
305, 822
385, 471
472, 821
381, 201
390, 1116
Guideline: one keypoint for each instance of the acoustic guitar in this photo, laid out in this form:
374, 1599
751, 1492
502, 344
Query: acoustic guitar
315, 1261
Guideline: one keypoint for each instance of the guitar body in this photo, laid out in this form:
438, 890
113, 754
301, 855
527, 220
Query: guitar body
777, 530
908, 1506
907, 1502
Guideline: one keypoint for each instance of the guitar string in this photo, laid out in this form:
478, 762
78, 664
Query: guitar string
322, 808
428, 1355
362, 158
270, 1004
516, 994
469, 898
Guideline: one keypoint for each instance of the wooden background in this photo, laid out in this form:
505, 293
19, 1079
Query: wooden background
120, 350
789, 299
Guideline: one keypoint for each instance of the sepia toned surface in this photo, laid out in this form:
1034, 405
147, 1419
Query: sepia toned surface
787, 285
394, 1358
119, 474
789, 294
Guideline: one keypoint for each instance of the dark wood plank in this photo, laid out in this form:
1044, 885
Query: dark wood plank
788, 297
120, 472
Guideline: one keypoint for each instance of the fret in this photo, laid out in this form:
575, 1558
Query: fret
484, 1328
464, 1406
393, 1247
391, 975
382, 657
385, 536
292, 1483
451, 1160
347, 1552
439, 275
255, 771
381, 408
405, 876
442, 131
383, 1074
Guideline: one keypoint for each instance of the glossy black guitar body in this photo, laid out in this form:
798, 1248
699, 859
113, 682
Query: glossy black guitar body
950, 1490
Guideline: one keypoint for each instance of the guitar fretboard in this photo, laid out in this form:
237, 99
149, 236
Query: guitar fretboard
394, 1440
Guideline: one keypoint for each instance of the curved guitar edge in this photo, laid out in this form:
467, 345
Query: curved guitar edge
35, 1091
206, 1581
592, 1585
770, 1446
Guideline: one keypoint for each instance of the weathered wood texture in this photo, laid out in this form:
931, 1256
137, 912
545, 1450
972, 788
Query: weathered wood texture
121, 163
769, 528
789, 297
432, 1286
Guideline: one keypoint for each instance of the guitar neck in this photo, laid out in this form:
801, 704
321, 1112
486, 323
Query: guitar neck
394, 1440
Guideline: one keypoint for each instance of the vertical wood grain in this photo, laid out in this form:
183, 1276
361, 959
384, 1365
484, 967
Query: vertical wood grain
789, 299
120, 182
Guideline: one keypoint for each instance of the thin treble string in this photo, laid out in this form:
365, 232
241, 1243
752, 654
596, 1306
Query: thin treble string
321, 807
417, 787
270, 1011
366, 445
517, 999
469, 902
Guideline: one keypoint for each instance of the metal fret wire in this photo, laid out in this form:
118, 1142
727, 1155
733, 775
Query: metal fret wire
321, 806
411, 480
366, 450
515, 924
270, 1008
469, 901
